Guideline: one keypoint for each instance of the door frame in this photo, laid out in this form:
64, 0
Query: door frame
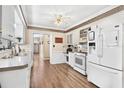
51, 43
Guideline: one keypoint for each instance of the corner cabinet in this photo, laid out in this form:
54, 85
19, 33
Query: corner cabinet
7, 22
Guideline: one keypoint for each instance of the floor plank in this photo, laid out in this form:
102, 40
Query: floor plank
46, 75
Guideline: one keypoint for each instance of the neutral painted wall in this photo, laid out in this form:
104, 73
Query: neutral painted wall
58, 46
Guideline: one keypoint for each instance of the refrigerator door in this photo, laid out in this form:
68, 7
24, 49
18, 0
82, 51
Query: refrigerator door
112, 47
92, 46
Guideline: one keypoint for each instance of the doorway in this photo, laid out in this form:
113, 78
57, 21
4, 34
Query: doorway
41, 46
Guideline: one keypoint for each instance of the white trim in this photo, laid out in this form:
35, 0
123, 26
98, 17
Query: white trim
20, 14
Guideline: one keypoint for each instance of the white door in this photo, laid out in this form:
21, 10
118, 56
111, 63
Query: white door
41, 49
46, 47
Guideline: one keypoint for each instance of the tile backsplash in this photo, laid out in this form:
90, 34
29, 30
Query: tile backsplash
4, 43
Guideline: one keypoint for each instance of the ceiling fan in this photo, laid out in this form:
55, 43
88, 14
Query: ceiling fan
61, 19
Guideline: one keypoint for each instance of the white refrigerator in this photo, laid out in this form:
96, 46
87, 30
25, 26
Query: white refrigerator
105, 56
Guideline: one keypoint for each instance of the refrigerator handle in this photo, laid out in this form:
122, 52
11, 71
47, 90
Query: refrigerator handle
100, 46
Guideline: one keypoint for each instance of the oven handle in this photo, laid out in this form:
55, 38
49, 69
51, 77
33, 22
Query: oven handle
80, 55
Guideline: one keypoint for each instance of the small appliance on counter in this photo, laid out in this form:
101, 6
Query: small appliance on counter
69, 49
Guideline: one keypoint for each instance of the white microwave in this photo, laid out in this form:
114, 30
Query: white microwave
91, 35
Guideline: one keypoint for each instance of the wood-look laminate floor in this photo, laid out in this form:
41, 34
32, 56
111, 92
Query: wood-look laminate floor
46, 75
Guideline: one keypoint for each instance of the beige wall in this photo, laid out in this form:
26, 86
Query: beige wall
58, 47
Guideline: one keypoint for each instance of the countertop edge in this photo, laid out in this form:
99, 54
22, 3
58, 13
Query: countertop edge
13, 68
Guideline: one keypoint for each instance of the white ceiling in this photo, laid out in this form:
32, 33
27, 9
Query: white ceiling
44, 15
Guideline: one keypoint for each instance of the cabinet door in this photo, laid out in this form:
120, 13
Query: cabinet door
0, 18
75, 37
71, 59
11, 22
58, 57
12, 29
71, 35
68, 39
7, 21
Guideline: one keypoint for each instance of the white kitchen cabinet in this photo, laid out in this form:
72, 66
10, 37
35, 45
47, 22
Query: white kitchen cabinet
19, 27
8, 22
72, 38
69, 39
15, 79
58, 57
75, 37
71, 59
0, 19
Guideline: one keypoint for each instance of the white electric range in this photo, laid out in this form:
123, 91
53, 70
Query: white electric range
80, 62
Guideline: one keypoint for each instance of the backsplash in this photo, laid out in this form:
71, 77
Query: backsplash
5, 44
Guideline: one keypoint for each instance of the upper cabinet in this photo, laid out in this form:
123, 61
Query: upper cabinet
72, 38
83, 35
69, 38
8, 22
12, 27
76, 37
19, 28
0, 20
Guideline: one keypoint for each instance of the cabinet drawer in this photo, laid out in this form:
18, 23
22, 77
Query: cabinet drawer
104, 77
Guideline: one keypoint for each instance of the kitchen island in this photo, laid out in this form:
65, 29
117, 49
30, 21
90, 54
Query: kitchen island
15, 71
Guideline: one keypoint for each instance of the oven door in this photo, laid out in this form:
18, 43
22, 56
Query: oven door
80, 62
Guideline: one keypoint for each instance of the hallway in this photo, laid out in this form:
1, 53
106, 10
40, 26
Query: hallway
45, 75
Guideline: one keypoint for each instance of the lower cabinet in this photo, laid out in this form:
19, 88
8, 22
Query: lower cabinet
58, 57
71, 59
15, 78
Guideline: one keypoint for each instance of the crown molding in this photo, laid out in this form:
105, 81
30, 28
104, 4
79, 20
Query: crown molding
112, 10
98, 17
48, 29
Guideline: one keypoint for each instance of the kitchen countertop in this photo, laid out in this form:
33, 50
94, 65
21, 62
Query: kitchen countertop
15, 63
